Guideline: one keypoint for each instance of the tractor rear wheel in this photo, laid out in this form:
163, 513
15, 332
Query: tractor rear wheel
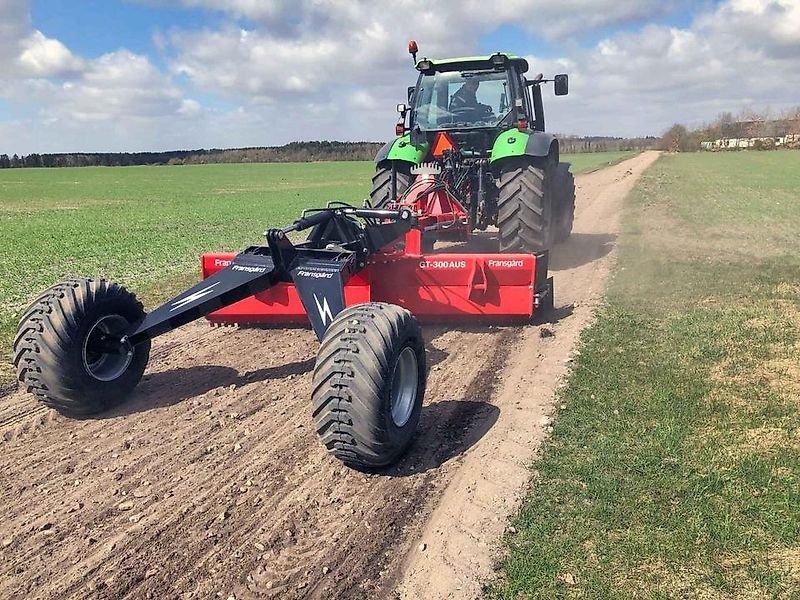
525, 208
368, 384
565, 197
53, 349
381, 193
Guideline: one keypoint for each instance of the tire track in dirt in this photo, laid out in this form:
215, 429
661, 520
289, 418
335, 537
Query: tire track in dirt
211, 480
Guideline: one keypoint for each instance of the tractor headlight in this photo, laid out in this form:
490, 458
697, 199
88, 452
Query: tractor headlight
424, 66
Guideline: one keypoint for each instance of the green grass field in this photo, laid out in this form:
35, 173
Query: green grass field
673, 470
591, 161
146, 227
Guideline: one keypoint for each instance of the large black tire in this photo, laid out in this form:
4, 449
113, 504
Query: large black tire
525, 208
565, 202
368, 385
381, 193
50, 348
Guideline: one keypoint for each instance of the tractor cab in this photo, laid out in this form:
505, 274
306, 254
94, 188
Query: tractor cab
474, 99
488, 94
462, 100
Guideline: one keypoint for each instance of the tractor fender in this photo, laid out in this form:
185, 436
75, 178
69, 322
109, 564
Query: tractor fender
401, 149
515, 143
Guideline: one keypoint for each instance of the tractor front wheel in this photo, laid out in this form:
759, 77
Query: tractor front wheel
381, 193
368, 384
56, 347
525, 203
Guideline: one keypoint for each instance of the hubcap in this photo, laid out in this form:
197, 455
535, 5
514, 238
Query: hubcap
405, 381
105, 366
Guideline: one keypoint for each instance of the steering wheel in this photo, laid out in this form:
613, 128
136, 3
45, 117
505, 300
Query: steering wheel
471, 113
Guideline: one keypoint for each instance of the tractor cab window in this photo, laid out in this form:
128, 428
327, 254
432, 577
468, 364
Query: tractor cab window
455, 99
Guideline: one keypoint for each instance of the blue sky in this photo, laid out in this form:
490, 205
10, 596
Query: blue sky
160, 74
96, 27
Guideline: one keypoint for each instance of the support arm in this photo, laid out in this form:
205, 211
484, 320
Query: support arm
260, 267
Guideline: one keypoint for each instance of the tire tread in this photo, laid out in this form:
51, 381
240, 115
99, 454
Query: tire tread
381, 192
350, 373
46, 343
522, 221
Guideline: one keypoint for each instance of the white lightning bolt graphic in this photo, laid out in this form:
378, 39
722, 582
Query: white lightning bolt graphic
192, 297
323, 309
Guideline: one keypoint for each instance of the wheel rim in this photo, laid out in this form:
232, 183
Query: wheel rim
405, 381
105, 366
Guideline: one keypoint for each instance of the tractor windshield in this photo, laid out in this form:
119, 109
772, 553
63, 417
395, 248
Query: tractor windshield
458, 100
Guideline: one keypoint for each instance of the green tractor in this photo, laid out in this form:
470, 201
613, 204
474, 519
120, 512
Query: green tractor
480, 121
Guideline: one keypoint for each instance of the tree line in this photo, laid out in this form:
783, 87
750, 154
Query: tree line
291, 152
571, 144
746, 125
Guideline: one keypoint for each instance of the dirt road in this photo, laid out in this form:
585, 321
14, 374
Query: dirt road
210, 482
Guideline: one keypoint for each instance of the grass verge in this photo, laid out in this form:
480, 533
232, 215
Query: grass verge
593, 161
673, 470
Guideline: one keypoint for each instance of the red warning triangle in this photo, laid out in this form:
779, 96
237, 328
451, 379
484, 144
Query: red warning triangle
442, 143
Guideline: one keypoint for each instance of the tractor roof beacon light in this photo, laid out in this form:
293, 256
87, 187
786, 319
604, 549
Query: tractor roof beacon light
413, 49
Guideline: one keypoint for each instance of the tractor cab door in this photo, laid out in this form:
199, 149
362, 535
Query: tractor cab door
431, 101
531, 104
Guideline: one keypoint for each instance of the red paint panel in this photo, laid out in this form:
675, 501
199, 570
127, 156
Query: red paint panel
436, 287
455, 286
279, 305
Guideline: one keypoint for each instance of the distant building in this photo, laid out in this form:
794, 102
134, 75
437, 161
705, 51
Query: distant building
756, 134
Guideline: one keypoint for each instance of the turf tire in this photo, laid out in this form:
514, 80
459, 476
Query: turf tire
565, 197
49, 348
525, 208
381, 193
352, 389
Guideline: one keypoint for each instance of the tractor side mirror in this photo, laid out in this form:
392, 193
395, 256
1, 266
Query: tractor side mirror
561, 85
411, 96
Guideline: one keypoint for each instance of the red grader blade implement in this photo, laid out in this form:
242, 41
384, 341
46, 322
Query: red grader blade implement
360, 279
434, 287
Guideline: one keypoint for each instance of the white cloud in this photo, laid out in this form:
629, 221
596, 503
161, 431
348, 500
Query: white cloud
738, 55
442, 19
45, 57
250, 64
308, 48
319, 51
119, 85
252, 9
